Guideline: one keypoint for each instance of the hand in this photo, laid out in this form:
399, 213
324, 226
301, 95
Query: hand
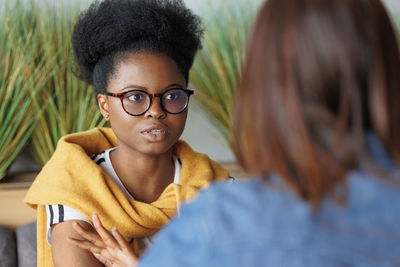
112, 250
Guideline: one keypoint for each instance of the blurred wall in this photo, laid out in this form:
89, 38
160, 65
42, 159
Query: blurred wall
393, 7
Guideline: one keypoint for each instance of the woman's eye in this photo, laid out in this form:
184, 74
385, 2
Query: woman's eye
135, 97
172, 96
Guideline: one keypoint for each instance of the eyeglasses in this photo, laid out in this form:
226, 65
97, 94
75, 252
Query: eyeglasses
137, 102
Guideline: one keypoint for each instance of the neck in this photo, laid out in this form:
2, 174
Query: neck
144, 176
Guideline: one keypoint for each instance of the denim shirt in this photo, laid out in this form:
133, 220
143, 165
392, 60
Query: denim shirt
250, 224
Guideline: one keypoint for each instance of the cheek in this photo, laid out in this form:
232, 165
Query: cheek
178, 122
114, 106
117, 112
121, 122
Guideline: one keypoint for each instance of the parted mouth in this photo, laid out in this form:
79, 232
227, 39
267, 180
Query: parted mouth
155, 130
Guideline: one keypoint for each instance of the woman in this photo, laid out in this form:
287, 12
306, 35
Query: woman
317, 120
137, 54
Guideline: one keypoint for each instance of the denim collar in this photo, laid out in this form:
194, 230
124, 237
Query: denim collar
377, 152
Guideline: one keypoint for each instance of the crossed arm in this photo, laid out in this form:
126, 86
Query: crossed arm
112, 250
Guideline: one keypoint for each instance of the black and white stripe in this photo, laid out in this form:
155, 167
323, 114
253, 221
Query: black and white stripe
100, 161
98, 154
56, 214
51, 222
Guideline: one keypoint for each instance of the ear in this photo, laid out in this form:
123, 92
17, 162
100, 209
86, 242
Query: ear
103, 105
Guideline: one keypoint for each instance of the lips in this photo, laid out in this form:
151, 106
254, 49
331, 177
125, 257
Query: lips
155, 134
155, 131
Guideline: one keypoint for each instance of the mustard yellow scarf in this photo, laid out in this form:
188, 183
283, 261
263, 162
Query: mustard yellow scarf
71, 178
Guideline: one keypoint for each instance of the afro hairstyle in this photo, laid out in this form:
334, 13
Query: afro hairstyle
110, 29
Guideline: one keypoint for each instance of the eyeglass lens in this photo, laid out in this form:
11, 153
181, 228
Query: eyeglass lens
172, 101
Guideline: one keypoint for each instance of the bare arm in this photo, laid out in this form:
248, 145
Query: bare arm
112, 250
66, 254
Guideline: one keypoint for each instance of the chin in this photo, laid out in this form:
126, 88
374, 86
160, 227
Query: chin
155, 149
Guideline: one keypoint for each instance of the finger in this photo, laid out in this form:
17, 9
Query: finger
108, 239
83, 244
121, 240
88, 235
102, 259
126, 249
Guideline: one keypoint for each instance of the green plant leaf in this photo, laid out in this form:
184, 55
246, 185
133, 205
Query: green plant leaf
20, 81
70, 105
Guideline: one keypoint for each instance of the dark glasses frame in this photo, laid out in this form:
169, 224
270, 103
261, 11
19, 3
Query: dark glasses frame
122, 95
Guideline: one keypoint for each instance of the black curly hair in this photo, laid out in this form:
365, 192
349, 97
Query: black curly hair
110, 29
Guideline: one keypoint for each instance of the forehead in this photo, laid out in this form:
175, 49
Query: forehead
153, 71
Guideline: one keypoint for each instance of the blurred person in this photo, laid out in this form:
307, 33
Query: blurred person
317, 121
137, 54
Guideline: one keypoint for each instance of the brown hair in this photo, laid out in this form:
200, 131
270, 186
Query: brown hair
317, 76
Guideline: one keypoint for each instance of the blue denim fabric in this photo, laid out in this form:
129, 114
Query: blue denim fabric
250, 224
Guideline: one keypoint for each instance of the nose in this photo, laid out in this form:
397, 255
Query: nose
155, 110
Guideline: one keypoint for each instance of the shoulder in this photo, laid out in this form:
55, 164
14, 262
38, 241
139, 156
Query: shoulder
250, 223
225, 225
367, 196
247, 209
243, 194
265, 218
372, 200
64, 253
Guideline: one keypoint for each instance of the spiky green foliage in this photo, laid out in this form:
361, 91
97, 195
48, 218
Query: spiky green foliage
21, 79
70, 103
217, 67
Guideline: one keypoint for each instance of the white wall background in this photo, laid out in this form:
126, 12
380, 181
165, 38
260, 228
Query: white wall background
393, 6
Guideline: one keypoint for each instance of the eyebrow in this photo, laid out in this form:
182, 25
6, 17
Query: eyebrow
173, 85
